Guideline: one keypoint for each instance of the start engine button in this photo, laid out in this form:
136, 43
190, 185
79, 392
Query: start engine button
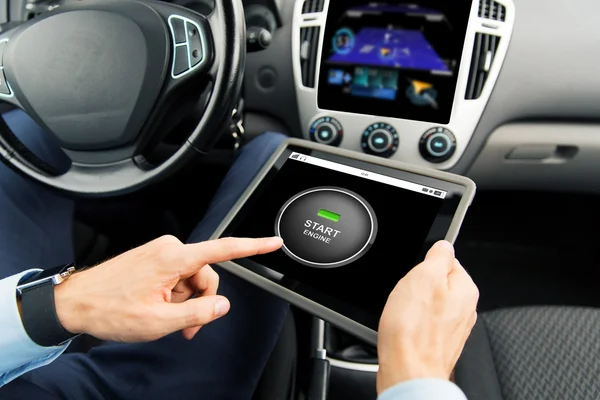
326, 227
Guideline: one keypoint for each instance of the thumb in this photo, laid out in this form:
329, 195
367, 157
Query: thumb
441, 257
196, 312
441, 248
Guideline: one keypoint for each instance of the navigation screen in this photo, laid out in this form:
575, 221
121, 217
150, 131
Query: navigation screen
351, 230
396, 60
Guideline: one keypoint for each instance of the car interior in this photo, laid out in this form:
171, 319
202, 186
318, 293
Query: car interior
514, 105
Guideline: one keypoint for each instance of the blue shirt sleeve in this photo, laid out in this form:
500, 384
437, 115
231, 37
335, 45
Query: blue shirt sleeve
18, 353
424, 389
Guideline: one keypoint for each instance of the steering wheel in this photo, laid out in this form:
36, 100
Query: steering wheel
103, 76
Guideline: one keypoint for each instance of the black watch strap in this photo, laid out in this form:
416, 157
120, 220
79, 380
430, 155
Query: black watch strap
38, 313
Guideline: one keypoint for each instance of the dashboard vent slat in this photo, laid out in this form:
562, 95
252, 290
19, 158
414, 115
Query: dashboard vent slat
491, 9
309, 46
484, 52
313, 6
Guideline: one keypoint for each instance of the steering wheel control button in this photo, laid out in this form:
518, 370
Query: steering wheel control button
327, 130
196, 50
178, 29
189, 45
437, 145
380, 139
180, 64
326, 227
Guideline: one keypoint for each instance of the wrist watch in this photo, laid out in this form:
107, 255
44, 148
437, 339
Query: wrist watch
38, 310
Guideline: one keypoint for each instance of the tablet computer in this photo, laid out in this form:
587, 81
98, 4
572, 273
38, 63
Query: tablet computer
353, 225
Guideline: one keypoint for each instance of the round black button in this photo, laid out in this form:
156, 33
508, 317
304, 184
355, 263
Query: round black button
326, 227
437, 145
267, 77
380, 139
326, 130
325, 133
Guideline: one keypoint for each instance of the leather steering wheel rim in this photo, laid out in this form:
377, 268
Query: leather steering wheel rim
224, 31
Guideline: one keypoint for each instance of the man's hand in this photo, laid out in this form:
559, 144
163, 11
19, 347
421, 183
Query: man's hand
427, 320
152, 291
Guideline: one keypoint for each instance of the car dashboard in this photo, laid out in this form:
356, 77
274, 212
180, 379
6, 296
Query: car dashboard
413, 80
523, 112
513, 105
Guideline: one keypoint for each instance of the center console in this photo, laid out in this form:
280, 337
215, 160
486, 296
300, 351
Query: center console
406, 81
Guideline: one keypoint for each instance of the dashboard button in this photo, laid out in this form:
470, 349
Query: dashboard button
327, 130
380, 139
325, 133
437, 145
326, 227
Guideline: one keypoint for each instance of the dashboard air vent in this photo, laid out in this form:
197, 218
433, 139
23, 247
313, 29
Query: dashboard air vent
312, 6
484, 52
491, 9
309, 45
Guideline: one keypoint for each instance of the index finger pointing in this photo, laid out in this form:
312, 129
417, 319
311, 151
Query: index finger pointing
227, 249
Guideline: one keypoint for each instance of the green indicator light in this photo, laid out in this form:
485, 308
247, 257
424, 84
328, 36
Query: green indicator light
329, 215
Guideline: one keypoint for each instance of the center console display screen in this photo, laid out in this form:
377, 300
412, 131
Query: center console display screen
393, 59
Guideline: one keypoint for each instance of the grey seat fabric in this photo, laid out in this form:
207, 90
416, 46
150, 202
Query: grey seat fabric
545, 353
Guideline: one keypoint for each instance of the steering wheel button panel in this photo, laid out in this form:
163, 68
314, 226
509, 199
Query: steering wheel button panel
178, 29
326, 227
189, 44
196, 50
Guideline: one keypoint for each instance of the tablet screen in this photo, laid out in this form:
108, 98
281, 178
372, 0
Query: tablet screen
351, 229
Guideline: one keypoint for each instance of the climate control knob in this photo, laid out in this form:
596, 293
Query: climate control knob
380, 139
437, 145
327, 130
